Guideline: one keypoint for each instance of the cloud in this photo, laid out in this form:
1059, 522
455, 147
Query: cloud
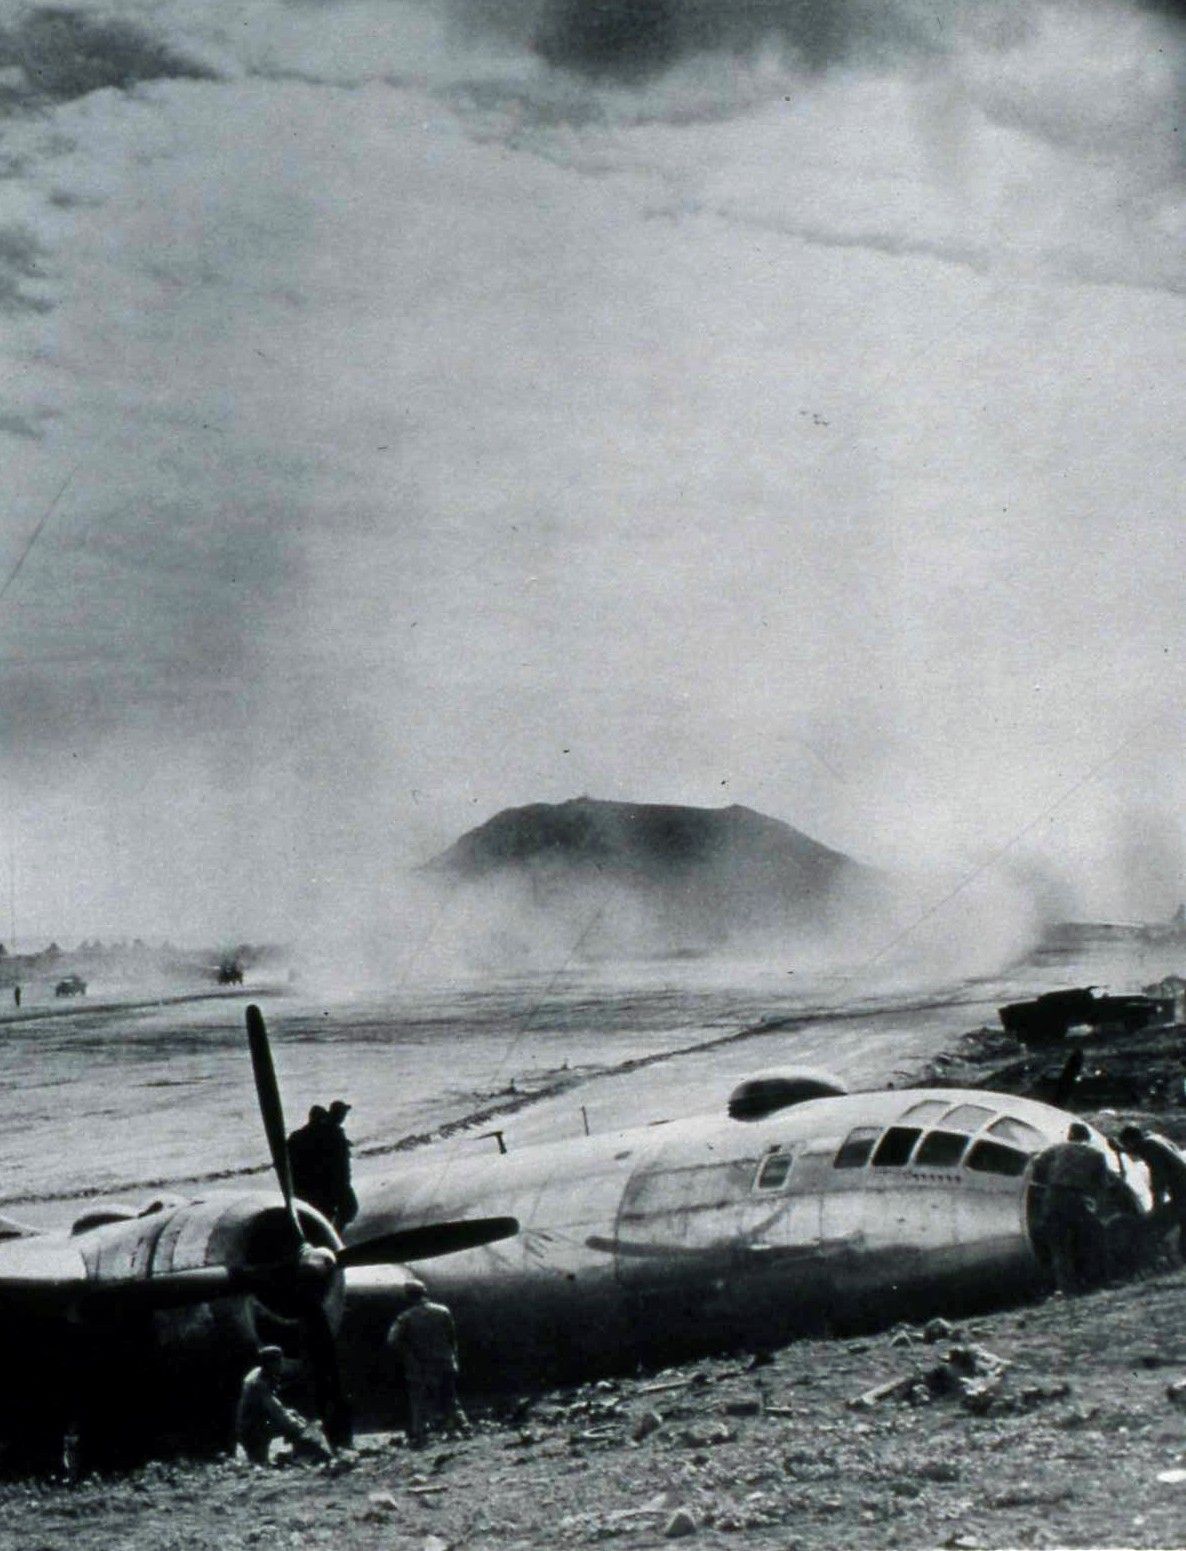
456, 430
20, 262
58, 53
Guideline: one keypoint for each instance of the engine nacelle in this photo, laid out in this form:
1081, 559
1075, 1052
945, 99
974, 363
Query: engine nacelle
767, 1092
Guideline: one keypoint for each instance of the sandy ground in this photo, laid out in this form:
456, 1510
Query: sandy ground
128, 1097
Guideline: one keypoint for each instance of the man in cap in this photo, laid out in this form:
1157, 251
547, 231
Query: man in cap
1070, 1181
338, 1156
261, 1415
1167, 1177
425, 1338
319, 1156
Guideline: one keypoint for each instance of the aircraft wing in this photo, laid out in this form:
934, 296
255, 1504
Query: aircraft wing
49, 1274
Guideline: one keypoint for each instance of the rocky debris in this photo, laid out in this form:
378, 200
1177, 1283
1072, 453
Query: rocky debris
938, 1329
1032, 1395
967, 1372
743, 1407
681, 1523
379, 1506
710, 1437
648, 1423
893, 1389
1176, 1392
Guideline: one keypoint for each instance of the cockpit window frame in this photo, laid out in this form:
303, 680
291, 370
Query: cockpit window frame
895, 1147
986, 1148
925, 1113
950, 1123
941, 1137
857, 1147
1001, 1128
769, 1165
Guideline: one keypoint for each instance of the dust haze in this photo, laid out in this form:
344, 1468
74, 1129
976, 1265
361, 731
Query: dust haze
435, 407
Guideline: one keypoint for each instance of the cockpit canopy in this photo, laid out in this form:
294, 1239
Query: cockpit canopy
767, 1092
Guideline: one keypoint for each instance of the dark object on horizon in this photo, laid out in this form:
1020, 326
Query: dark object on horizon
1067, 1079
693, 878
72, 985
230, 973
767, 1092
1047, 1018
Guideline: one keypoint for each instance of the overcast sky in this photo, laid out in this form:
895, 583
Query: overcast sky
439, 407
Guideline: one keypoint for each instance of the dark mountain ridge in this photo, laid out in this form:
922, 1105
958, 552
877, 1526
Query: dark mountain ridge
682, 878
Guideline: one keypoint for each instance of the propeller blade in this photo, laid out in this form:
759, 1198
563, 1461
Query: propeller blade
330, 1397
267, 1091
428, 1242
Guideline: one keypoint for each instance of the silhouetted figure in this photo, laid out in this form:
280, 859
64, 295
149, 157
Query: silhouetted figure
261, 1414
425, 1339
347, 1202
1067, 1079
1070, 1180
1167, 1177
319, 1156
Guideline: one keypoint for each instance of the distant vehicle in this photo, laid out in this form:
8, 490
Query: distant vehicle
72, 985
230, 973
1046, 1019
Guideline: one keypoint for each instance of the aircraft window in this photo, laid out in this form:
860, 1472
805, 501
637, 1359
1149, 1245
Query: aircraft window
941, 1149
967, 1117
995, 1158
895, 1147
857, 1145
1016, 1131
773, 1173
926, 1110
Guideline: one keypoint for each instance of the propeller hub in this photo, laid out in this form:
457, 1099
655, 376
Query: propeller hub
316, 1264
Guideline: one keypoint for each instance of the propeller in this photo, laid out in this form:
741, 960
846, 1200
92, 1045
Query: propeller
429, 1241
271, 1109
314, 1266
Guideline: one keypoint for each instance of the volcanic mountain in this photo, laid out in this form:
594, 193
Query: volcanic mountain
653, 878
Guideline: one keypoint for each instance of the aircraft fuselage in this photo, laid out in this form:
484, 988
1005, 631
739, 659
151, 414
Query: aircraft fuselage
699, 1234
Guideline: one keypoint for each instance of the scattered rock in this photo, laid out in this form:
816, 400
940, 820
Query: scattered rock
1038, 1394
681, 1523
648, 1422
707, 1437
743, 1408
978, 1396
939, 1330
1175, 1393
893, 1389
1172, 1477
434, 1543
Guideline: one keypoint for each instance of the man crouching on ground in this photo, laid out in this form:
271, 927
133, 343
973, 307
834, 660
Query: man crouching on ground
262, 1416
